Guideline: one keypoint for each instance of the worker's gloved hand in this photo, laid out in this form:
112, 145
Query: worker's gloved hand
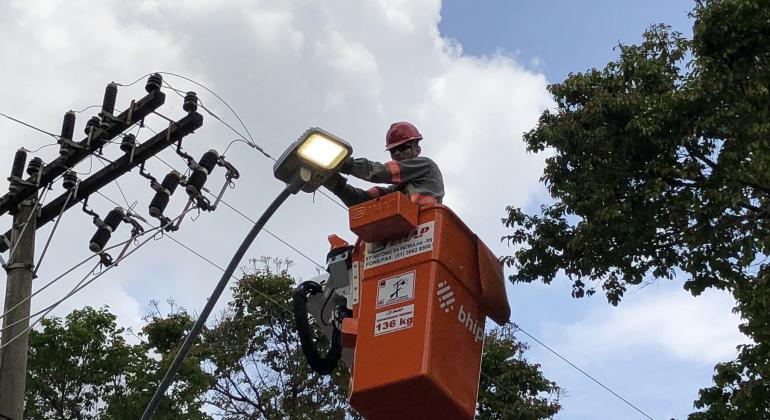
335, 182
347, 166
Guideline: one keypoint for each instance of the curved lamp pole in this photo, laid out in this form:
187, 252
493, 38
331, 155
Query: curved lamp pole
305, 165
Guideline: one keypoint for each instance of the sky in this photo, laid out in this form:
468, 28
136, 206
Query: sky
471, 75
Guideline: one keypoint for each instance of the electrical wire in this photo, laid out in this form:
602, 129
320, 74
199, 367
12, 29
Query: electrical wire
38, 204
76, 266
199, 255
128, 205
78, 287
134, 82
242, 138
53, 230
87, 108
44, 311
73, 268
30, 126
41, 147
90, 167
218, 97
251, 142
207, 191
583, 372
83, 283
267, 231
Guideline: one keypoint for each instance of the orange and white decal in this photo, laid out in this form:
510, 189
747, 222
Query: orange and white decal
422, 200
395, 171
416, 242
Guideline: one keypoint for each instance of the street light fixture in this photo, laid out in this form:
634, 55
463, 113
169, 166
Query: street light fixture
314, 157
304, 165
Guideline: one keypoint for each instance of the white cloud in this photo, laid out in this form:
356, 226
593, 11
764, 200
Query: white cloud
352, 67
672, 324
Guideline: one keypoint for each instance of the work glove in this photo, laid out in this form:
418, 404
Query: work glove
335, 182
347, 166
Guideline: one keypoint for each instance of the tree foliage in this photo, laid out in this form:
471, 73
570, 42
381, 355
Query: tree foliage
262, 372
248, 364
510, 387
75, 365
162, 337
660, 168
83, 368
255, 356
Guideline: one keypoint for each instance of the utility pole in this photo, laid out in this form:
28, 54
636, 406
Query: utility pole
29, 216
13, 358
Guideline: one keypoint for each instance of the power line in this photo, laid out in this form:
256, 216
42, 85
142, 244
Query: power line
201, 256
583, 372
218, 97
53, 230
251, 142
76, 266
265, 295
128, 205
73, 268
242, 138
269, 233
38, 204
44, 311
83, 284
30, 126
295, 249
80, 286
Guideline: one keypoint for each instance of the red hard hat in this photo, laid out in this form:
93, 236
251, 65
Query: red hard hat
400, 133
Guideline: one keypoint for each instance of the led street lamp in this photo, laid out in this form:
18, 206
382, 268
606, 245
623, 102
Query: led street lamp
315, 157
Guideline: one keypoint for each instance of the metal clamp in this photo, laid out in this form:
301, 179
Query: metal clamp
355, 285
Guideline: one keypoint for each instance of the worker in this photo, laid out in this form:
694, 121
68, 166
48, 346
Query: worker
416, 176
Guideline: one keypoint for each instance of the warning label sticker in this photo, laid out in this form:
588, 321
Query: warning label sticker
393, 320
418, 241
395, 289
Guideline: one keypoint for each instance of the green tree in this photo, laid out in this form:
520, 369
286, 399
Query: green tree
262, 373
75, 365
510, 387
162, 335
255, 355
83, 368
660, 169
249, 364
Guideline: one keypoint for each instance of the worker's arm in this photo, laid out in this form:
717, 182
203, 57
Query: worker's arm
391, 172
351, 195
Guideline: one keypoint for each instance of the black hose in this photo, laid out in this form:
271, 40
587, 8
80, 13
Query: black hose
322, 365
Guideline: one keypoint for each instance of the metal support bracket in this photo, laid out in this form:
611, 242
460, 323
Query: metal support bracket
355, 285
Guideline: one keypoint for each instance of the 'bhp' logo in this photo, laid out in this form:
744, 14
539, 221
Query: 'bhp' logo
445, 296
